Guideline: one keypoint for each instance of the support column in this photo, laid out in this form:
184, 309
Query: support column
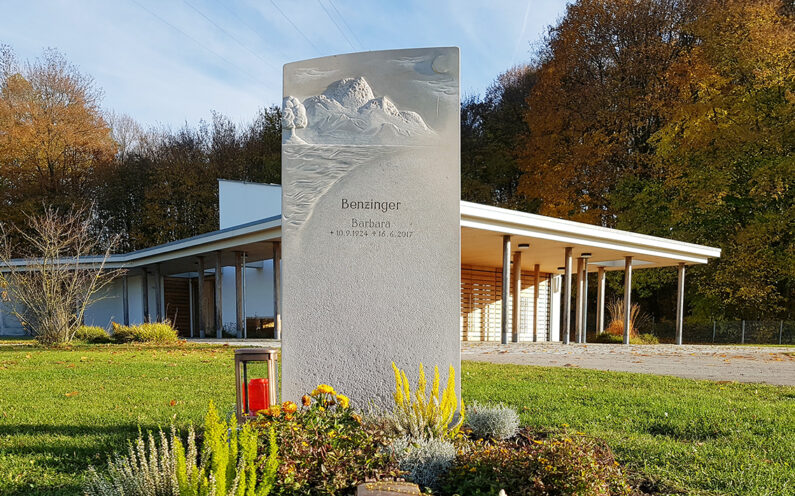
244, 256
277, 290
200, 296
567, 297
680, 303
600, 300
627, 296
578, 304
125, 296
536, 296
158, 295
506, 286
516, 305
239, 295
584, 338
191, 311
219, 301
145, 296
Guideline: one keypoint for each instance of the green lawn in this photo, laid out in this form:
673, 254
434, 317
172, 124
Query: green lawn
697, 436
63, 410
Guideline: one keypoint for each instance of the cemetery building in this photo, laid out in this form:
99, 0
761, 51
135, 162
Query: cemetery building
224, 281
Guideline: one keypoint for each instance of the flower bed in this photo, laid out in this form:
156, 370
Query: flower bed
324, 447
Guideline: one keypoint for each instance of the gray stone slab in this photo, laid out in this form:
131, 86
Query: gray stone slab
370, 227
386, 489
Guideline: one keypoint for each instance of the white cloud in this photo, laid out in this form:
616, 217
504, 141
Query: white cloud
160, 75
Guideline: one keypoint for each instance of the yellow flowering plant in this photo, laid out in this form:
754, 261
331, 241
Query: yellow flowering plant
325, 445
423, 413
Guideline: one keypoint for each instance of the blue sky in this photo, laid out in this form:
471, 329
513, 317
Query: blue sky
171, 62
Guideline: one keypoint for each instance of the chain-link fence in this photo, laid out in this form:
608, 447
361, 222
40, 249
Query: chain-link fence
728, 332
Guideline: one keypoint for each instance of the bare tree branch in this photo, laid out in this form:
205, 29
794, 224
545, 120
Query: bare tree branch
64, 271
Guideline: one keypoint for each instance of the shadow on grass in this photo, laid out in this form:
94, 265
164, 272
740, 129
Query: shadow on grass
73, 430
86, 445
694, 430
24, 490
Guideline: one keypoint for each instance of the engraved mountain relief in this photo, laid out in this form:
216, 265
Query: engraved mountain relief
349, 113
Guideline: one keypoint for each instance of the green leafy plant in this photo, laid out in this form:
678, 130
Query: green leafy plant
226, 466
527, 465
327, 448
150, 332
92, 334
422, 414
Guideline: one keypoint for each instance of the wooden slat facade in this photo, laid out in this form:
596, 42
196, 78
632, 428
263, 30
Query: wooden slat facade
481, 304
176, 296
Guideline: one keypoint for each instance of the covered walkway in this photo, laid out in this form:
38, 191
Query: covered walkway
523, 276
531, 260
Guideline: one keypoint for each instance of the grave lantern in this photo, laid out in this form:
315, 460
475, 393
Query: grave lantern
257, 393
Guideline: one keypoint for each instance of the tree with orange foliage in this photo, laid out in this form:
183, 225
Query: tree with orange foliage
52, 134
676, 118
600, 95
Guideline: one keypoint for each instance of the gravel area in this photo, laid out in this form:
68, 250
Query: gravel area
771, 365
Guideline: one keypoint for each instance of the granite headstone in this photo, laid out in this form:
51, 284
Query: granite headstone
370, 220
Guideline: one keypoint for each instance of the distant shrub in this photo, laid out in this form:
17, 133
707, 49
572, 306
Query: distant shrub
570, 465
152, 332
425, 461
492, 421
606, 337
92, 334
637, 318
647, 339
616, 338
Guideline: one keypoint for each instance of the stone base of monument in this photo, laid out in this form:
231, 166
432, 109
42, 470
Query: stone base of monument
386, 488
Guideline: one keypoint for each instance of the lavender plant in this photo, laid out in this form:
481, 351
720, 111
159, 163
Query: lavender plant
226, 465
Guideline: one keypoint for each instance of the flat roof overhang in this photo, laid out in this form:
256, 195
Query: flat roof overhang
482, 231
180, 256
483, 228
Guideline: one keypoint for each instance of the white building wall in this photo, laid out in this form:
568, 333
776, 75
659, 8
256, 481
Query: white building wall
134, 285
241, 202
259, 292
108, 307
554, 306
9, 325
259, 298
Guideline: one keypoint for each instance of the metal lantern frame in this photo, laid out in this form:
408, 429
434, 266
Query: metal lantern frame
243, 357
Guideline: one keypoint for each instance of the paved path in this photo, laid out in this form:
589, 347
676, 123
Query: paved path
772, 365
239, 343
718, 363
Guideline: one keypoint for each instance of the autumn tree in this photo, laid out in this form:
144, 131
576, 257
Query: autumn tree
53, 136
600, 96
491, 129
725, 158
675, 118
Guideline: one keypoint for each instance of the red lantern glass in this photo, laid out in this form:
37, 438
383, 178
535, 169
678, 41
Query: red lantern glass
258, 397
